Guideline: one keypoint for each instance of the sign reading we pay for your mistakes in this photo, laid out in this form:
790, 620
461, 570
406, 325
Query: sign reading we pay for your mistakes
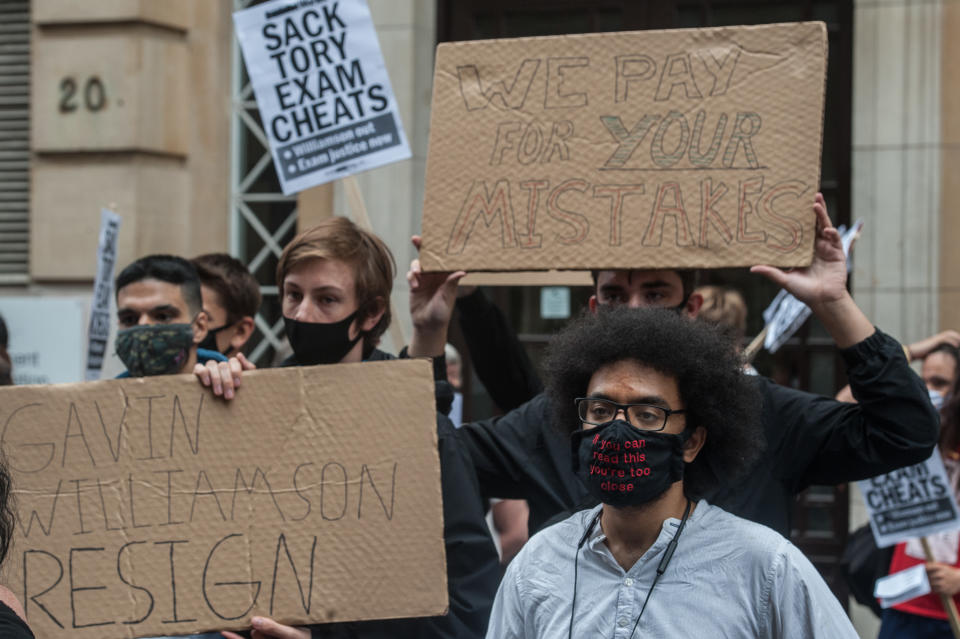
685, 148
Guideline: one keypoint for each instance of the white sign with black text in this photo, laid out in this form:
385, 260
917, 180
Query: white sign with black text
786, 314
325, 99
914, 501
99, 333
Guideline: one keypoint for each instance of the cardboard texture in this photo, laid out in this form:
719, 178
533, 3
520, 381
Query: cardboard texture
148, 507
684, 148
528, 278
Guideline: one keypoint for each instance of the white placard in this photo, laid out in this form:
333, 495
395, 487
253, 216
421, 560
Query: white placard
914, 501
325, 99
46, 338
100, 322
786, 314
902, 586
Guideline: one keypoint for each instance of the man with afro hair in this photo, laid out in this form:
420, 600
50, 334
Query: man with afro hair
811, 439
658, 412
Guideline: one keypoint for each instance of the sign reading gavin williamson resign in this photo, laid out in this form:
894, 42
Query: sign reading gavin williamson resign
324, 95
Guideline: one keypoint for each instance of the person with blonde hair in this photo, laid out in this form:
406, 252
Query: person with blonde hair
335, 281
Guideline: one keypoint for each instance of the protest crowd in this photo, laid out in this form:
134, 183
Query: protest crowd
638, 480
637, 374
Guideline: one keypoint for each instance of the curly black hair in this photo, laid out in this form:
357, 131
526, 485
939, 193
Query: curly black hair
716, 393
166, 268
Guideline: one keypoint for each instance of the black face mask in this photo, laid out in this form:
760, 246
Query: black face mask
321, 343
624, 466
210, 341
154, 349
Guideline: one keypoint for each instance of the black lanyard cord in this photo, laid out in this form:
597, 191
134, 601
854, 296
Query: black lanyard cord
664, 562
661, 567
576, 564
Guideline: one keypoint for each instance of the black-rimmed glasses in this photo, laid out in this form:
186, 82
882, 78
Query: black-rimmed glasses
643, 416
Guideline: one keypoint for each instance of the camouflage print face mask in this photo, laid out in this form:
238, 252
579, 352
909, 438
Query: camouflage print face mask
158, 349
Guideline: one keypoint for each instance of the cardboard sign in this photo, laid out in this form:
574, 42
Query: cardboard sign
148, 507
685, 148
528, 278
910, 502
100, 320
324, 95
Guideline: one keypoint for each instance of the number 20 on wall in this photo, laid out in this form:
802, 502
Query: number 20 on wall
93, 94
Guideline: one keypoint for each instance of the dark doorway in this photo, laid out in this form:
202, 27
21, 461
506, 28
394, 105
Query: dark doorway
809, 361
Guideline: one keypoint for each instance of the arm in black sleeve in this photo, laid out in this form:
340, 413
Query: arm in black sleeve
498, 357
473, 566
522, 456
11, 625
442, 389
823, 441
500, 449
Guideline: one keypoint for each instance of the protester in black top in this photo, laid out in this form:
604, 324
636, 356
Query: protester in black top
810, 439
231, 300
12, 623
335, 282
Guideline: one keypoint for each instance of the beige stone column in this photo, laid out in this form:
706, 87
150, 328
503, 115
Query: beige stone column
896, 164
900, 64
950, 170
130, 109
313, 206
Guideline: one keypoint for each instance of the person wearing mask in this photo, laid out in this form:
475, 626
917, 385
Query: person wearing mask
160, 318
940, 370
231, 299
13, 623
924, 617
161, 323
940, 356
335, 281
811, 439
658, 411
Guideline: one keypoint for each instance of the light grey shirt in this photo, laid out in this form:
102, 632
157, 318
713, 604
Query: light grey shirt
729, 578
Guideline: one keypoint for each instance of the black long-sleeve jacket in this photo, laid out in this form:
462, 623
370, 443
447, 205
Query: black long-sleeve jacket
811, 439
497, 356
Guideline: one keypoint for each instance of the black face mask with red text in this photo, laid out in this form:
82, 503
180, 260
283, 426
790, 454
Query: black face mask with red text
624, 466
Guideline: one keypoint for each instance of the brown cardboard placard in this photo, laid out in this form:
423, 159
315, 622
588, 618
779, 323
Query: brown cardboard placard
653, 149
527, 278
313, 496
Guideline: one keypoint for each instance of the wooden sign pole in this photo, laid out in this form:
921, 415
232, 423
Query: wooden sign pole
947, 601
359, 209
754, 346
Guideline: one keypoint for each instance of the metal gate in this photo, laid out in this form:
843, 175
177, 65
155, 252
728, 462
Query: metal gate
262, 218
